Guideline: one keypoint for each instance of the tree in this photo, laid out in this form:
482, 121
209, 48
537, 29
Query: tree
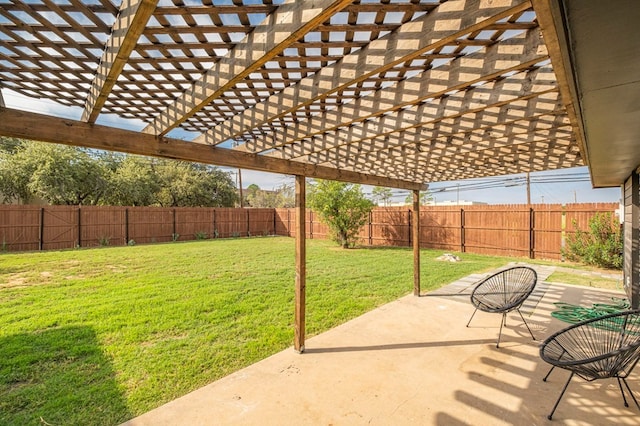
57, 174
14, 178
382, 195
61, 174
342, 206
132, 181
280, 197
184, 184
425, 198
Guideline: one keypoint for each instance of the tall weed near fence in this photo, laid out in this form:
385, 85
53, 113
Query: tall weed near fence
536, 231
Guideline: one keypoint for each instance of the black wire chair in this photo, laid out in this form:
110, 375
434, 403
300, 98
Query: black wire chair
504, 292
597, 348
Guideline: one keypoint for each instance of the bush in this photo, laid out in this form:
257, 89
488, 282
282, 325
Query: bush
343, 207
602, 246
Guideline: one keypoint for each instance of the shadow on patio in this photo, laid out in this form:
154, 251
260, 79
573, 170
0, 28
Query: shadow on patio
413, 361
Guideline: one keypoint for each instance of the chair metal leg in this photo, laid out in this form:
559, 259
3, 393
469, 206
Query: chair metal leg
474, 312
626, 404
525, 323
560, 397
502, 322
548, 374
630, 392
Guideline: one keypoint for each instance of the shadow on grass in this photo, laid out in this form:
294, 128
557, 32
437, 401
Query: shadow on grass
58, 376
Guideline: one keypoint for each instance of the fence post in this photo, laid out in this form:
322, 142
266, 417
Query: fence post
462, 236
274, 222
288, 223
311, 224
213, 220
41, 242
126, 226
79, 227
532, 236
173, 233
248, 227
370, 228
410, 241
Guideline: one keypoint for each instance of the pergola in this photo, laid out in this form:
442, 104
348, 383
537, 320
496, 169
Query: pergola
394, 93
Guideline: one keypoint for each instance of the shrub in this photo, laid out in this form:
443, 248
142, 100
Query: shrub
343, 207
601, 246
201, 235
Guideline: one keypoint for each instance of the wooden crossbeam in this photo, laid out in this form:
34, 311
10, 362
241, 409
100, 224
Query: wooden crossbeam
517, 131
449, 151
28, 125
428, 115
515, 54
129, 25
549, 150
458, 160
442, 26
291, 21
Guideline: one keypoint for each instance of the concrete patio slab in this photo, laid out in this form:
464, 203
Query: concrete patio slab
412, 362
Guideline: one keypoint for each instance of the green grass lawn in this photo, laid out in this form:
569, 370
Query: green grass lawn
98, 336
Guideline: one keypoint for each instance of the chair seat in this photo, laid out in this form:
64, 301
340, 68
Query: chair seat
598, 348
504, 292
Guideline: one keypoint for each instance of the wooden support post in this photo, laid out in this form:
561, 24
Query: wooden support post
631, 196
415, 230
532, 233
410, 227
301, 264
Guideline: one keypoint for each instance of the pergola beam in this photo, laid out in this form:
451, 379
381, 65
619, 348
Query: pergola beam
472, 143
515, 54
129, 25
545, 11
288, 23
410, 41
493, 152
545, 155
448, 112
45, 128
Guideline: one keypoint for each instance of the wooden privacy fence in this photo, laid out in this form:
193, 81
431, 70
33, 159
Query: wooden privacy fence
537, 231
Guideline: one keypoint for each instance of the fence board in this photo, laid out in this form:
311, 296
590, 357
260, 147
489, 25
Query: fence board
20, 228
513, 230
102, 226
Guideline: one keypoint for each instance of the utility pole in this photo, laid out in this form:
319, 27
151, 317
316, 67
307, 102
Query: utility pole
529, 190
235, 143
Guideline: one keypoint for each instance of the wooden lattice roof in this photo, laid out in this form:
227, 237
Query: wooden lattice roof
391, 92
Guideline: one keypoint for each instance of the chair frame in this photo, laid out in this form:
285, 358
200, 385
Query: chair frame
504, 299
616, 363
